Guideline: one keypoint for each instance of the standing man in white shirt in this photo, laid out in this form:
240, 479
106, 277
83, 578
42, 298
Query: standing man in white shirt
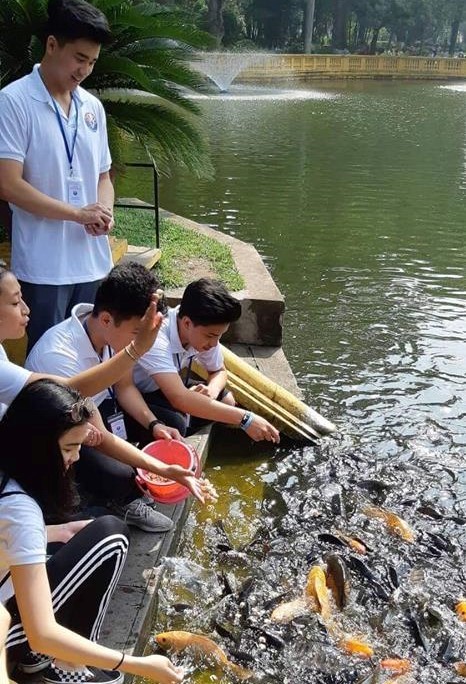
54, 169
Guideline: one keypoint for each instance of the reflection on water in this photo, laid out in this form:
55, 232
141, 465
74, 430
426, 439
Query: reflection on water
357, 205
244, 94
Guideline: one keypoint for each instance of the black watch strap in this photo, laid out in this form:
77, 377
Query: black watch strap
152, 424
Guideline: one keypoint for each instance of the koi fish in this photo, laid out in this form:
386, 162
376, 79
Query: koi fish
317, 590
286, 612
355, 646
201, 645
354, 544
460, 669
398, 665
460, 609
394, 523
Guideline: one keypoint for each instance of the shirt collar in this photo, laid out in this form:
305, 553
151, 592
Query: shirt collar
38, 91
175, 342
78, 314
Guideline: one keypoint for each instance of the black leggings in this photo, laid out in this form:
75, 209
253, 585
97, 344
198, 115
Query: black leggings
83, 575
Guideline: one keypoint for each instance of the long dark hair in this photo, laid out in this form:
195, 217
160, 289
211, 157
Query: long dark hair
30, 454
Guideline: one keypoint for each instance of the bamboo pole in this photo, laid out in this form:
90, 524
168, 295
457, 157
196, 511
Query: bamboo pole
268, 399
276, 393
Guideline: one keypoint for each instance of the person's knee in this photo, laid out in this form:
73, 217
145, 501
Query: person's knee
108, 526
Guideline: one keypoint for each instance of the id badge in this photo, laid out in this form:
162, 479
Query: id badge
117, 425
75, 191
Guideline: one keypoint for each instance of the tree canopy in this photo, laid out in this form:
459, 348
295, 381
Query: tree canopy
417, 26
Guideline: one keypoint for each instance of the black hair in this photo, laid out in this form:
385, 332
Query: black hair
70, 20
30, 454
208, 302
126, 292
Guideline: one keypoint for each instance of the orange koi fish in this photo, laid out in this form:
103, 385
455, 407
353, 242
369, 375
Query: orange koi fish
396, 665
201, 645
394, 523
460, 669
460, 609
354, 544
317, 590
356, 647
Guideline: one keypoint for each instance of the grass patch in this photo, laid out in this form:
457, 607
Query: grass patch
186, 255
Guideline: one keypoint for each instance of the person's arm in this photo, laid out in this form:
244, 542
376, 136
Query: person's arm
16, 190
4, 625
45, 635
117, 448
201, 406
131, 400
106, 374
216, 382
105, 191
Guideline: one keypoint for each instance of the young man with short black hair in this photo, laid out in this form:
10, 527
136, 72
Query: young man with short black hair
81, 342
191, 332
54, 169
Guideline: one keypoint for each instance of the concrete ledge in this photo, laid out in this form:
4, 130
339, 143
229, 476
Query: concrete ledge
262, 303
127, 623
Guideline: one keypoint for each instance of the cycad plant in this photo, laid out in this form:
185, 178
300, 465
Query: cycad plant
141, 77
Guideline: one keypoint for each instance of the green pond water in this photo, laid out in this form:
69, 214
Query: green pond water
354, 195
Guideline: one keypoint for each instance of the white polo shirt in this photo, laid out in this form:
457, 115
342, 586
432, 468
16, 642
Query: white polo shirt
23, 535
168, 355
45, 251
66, 350
12, 380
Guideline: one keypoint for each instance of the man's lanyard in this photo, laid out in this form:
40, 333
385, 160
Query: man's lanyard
188, 372
69, 150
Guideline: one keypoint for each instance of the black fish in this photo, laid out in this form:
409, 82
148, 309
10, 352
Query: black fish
364, 571
338, 579
417, 631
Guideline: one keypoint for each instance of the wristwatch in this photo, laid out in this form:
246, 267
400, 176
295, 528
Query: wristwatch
152, 424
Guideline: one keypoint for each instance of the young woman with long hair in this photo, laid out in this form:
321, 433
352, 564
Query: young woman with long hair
57, 605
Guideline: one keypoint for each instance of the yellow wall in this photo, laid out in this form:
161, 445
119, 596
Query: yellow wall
353, 66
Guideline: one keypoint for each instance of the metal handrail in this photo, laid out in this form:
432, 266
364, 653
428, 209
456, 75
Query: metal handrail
147, 205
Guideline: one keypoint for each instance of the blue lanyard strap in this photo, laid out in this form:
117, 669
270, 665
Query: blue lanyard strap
188, 372
69, 151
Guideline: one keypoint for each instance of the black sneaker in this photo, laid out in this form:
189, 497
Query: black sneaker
82, 675
33, 662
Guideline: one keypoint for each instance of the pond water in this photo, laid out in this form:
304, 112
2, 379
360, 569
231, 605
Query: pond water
354, 194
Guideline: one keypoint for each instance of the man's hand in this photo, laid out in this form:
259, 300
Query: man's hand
201, 389
95, 215
148, 328
94, 437
262, 429
161, 431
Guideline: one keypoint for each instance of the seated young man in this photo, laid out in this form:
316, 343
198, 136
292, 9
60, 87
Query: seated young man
87, 338
192, 331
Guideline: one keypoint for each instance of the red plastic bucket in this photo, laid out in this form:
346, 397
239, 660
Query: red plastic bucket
172, 452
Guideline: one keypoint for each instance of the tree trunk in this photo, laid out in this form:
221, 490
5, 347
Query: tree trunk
375, 37
308, 26
215, 20
340, 18
454, 35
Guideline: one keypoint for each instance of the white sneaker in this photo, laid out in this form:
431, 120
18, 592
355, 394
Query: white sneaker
140, 514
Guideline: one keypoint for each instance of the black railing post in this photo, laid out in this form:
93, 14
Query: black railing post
146, 205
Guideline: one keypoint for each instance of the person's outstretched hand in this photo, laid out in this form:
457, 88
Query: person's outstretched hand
149, 327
